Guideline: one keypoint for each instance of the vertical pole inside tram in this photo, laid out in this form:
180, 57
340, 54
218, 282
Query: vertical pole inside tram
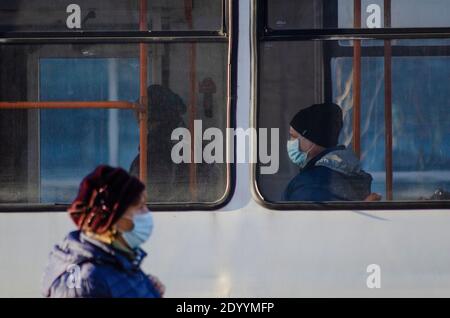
388, 103
143, 114
192, 101
357, 81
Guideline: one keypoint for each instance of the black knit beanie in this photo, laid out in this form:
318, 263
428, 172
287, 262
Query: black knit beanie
320, 123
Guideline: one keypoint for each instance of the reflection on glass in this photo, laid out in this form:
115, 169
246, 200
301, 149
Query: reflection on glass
185, 15
420, 121
318, 14
110, 15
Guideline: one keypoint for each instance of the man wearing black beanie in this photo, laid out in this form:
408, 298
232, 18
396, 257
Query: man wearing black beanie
328, 171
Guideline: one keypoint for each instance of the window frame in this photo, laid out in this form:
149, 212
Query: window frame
228, 34
261, 33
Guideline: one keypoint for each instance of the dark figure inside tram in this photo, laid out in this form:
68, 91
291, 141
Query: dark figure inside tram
328, 171
165, 113
168, 181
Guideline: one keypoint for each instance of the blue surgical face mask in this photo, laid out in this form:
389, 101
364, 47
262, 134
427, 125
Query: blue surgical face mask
298, 157
142, 230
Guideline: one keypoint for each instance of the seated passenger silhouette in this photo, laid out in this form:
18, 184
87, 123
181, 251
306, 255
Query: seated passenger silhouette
328, 171
168, 181
165, 111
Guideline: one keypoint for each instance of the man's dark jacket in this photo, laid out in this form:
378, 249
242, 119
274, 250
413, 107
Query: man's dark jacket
333, 175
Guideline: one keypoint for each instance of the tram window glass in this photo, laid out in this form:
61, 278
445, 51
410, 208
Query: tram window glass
297, 73
45, 152
45, 15
71, 142
318, 14
171, 15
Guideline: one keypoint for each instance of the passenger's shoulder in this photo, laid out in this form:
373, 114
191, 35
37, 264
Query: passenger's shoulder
80, 281
314, 173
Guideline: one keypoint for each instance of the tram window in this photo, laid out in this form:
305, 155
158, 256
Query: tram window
318, 14
45, 153
61, 15
68, 104
403, 100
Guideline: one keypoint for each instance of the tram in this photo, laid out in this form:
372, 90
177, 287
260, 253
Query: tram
84, 83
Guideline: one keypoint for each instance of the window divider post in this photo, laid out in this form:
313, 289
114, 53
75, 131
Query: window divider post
357, 82
388, 103
143, 115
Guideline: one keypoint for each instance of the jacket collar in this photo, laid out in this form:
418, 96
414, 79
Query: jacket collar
314, 160
107, 251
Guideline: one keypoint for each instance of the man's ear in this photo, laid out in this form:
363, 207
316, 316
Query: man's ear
124, 225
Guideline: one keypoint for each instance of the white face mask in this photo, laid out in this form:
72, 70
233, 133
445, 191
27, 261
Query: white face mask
142, 230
